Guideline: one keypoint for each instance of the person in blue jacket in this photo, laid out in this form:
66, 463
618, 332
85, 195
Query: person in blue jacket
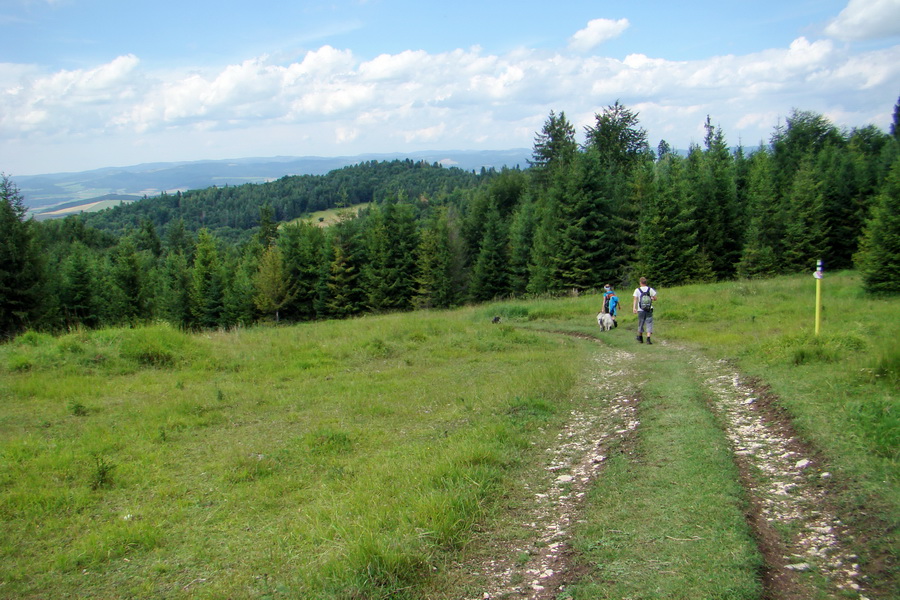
610, 303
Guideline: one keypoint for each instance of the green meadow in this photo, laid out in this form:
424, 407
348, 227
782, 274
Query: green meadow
365, 458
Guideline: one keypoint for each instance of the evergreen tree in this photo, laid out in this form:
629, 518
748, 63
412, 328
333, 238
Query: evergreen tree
521, 241
301, 246
147, 239
879, 257
489, 275
391, 242
239, 306
130, 294
176, 292
669, 252
589, 241
273, 288
343, 294
663, 150
435, 283
554, 147
765, 229
178, 240
804, 133
618, 146
805, 231
719, 218
207, 283
543, 266
21, 272
268, 227
619, 140
841, 206
77, 293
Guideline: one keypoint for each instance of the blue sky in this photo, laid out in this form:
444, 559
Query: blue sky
95, 83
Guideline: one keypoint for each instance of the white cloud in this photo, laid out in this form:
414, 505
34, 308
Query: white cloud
597, 32
866, 20
329, 101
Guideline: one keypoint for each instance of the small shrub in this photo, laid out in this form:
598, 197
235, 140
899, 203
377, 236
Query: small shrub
159, 346
19, 362
77, 408
101, 476
34, 339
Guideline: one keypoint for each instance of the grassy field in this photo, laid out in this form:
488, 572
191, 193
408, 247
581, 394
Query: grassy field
363, 458
324, 218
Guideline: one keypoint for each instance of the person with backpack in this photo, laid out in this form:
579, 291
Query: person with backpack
644, 297
610, 303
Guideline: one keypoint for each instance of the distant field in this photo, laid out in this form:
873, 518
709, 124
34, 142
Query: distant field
324, 218
45, 213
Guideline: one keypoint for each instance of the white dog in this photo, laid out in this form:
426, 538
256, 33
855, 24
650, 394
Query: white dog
605, 321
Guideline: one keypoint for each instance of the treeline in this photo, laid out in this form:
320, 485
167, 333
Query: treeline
605, 211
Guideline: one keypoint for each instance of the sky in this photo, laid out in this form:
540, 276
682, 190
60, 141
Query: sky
87, 84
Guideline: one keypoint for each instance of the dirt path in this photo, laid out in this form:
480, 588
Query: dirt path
540, 568
786, 486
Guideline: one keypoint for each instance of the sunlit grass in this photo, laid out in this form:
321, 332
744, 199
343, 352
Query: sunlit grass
324, 459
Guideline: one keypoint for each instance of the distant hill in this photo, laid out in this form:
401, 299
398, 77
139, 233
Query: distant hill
58, 194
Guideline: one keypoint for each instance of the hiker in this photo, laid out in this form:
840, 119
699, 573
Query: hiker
610, 303
644, 297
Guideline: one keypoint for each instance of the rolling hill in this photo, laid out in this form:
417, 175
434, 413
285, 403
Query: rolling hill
59, 194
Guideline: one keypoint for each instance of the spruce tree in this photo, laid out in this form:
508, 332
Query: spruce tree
302, 245
238, 305
719, 217
391, 241
207, 283
765, 229
879, 257
554, 148
521, 241
131, 294
176, 293
841, 205
343, 294
77, 293
21, 272
669, 252
589, 239
273, 288
805, 228
435, 283
490, 279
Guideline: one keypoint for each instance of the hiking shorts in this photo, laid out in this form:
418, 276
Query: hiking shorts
645, 322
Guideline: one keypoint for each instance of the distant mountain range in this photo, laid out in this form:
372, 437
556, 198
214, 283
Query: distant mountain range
58, 194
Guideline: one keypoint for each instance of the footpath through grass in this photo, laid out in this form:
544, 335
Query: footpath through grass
666, 520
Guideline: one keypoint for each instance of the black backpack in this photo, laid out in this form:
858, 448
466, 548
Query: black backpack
645, 302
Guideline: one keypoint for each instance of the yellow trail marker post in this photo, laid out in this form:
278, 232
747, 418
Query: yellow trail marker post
818, 275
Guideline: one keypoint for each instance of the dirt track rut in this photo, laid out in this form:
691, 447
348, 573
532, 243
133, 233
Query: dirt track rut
784, 483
